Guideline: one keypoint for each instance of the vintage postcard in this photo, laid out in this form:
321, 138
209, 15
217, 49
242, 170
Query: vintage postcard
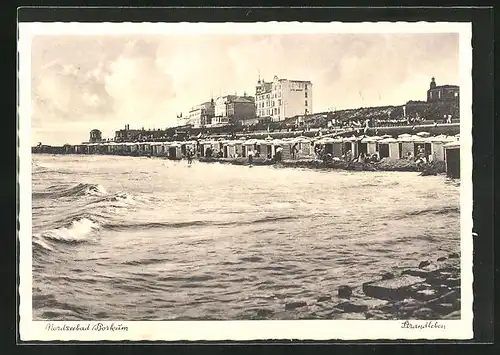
245, 181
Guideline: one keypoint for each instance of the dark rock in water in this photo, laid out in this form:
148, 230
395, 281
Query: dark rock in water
349, 316
324, 298
264, 312
376, 315
387, 276
397, 288
423, 264
451, 281
406, 308
443, 258
416, 272
453, 256
424, 313
345, 291
443, 308
453, 315
426, 294
452, 297
293, 305
443, 289
350, 307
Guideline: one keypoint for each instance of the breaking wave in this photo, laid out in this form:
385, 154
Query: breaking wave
76, 232
81, 222
78, 190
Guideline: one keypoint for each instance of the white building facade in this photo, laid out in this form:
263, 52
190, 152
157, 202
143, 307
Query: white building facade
200, 114
221, 106
283, 98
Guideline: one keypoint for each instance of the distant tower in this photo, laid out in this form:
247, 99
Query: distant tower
95, 136
258, 87
433, 83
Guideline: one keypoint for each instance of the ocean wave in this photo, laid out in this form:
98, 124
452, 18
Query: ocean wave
435, 211
121, 199
78, 190
153, 225
187, 224
428, 211
40, 245
77, 232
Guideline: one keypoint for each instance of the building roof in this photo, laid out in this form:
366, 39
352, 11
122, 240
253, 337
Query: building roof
244, 99
445, 87
296, 81
301, 81
200, 106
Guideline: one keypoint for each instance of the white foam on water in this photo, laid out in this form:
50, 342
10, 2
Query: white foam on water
79, 231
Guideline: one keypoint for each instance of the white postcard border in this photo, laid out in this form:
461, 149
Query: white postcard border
240, 330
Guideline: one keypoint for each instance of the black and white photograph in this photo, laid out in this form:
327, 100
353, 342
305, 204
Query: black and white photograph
245, 181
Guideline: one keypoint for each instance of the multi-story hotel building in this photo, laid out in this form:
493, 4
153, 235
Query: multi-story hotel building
234, 108
201, 115
283, 98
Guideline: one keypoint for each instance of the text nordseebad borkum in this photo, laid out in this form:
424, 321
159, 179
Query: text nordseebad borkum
97, 327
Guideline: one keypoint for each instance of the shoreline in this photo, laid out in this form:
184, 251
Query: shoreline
387, 164
397, 165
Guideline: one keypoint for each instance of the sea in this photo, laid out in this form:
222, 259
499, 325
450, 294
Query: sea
136, 238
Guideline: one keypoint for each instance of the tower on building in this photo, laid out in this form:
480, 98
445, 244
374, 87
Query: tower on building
433, 83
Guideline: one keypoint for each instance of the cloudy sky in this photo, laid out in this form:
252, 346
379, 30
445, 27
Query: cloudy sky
85, 82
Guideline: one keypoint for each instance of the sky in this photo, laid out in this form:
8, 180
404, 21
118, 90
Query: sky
82, 82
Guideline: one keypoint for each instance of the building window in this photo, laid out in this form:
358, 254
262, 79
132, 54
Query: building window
306, 103
278, 110
456, 94
306, 87
275, 111
279, 102
279, 93
306, 94
439, 94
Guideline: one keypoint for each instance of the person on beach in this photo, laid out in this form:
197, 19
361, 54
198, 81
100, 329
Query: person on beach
295, 150
250, 157
279, 154
421, 158
348, 156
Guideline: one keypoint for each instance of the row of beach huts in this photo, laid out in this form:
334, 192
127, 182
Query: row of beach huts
403, 146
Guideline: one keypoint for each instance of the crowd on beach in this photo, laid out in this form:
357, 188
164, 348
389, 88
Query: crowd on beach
320, 153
